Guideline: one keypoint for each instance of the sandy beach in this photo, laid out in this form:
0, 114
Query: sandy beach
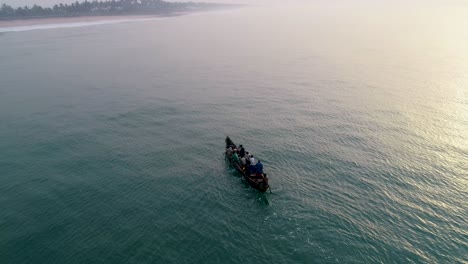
69, 20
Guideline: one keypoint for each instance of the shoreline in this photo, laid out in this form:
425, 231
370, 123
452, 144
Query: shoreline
25, 22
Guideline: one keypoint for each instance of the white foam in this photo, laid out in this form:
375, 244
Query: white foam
73, 24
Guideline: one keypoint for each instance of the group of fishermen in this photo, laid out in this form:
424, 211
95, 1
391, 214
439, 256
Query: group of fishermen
245, 160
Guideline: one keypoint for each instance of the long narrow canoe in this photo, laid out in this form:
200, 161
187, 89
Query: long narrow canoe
257, 181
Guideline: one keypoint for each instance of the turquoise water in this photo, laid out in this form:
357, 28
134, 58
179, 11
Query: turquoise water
111, 138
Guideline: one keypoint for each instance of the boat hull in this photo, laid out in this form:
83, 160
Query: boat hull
258, 182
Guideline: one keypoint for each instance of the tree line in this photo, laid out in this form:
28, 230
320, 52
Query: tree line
98, 8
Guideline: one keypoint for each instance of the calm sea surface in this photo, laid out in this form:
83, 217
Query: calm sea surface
111, 138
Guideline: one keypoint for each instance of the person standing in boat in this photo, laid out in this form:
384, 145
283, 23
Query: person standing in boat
242, 151
252, 160
259, 168
252, 164
247, 162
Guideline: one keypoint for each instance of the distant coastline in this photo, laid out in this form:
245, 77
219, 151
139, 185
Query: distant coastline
97, 11
18, 23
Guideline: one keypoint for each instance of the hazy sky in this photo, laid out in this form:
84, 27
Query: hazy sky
263, 2
52, 2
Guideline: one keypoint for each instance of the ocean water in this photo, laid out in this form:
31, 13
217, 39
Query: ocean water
112, 135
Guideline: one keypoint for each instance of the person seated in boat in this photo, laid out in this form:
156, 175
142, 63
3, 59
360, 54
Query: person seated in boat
243, 164
243, 161
229, 151
247, 157
235, 158
252, 164
242, 151
259, 168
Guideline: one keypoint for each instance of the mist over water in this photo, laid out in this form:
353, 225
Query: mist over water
111, 137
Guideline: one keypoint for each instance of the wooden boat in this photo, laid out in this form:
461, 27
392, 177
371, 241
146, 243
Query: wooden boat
257, 181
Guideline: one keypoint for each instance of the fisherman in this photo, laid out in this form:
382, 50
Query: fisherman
259, 168
252, 164
247, 163
235, 158
229, 151
252, 160
243, 161
242, 151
